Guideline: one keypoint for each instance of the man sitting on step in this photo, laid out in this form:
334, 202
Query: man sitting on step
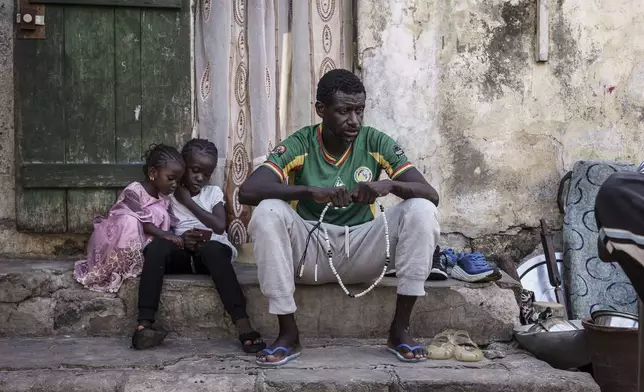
331, 170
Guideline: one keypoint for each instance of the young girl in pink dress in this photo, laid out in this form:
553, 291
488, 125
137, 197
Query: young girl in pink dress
115, 249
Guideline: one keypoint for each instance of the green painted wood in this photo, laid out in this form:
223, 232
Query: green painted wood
127, 29
165, 76
87, 208
43, 211
90, 106
117, 3
89, 85
40, 119
80, 175
78, 93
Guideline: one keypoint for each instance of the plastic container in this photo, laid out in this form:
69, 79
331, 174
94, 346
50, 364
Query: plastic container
614, 356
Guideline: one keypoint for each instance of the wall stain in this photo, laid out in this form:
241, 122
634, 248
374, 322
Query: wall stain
70, 248
470, 171
507, 55
564, 52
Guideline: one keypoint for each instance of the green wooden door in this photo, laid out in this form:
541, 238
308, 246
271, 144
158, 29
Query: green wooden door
105, 83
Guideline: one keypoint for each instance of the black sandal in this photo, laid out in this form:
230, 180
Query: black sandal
256, 339
149, 336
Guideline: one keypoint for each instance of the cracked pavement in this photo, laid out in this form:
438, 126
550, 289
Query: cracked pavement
104, 364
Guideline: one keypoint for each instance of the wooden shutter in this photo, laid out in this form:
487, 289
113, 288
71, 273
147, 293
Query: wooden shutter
104, 84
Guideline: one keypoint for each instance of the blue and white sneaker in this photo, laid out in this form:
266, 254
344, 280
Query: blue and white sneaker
473, 267
450, 257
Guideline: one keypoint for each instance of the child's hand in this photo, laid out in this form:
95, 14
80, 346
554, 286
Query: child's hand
182, 194
190, 239
178, 241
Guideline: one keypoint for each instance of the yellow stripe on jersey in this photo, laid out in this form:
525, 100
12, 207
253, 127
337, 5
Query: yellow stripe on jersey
275, 169
344, 156
382, 162
292, 165
296, 163
387, 167
401, 170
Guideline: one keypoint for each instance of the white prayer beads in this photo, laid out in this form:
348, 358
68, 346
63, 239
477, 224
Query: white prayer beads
329, 253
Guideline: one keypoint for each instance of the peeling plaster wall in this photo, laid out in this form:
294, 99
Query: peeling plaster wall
455, 81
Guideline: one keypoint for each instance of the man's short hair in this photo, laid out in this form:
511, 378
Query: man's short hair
338, 80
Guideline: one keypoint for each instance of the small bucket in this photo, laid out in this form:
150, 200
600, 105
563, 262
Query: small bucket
614, 354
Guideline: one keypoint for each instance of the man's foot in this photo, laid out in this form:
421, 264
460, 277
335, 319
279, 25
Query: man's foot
273, 355
401, 341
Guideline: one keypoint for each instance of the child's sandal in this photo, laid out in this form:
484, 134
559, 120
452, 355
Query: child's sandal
149, 336
257, 344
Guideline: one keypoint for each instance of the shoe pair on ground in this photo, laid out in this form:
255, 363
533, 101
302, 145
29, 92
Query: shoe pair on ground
468, 267
454, 344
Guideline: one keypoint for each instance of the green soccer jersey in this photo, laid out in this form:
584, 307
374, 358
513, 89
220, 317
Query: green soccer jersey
302, 159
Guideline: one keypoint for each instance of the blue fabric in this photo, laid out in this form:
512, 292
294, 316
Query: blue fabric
408, 347
286, 350
474, 263
451, 256
591, 283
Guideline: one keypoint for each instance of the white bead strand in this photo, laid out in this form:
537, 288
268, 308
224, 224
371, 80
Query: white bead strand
329, 253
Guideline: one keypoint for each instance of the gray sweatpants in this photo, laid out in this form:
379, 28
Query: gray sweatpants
280, 236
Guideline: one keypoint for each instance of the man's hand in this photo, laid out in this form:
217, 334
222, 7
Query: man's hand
338, 196
178, 241
368, 192
190, 239
182, 194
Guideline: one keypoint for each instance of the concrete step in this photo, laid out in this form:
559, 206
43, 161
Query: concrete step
41, 298
101, 365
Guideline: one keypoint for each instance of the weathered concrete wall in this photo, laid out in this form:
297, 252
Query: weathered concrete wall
12, 242
457, 83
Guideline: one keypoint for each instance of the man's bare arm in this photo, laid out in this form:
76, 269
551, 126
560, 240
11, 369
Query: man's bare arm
264, 184
412, 184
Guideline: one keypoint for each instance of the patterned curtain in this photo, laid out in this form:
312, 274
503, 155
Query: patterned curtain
257, 65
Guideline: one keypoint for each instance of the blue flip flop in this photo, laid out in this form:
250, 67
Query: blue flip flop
401, 358
287, 357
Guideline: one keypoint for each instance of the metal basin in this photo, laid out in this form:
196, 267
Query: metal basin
561, 350
612, 318
533, 274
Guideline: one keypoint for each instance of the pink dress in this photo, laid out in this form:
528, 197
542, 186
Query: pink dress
115, 249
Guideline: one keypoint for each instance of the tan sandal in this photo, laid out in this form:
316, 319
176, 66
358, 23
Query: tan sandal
465, 350
441, 346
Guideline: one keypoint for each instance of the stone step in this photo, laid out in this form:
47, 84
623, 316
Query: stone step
41, 298
101, 365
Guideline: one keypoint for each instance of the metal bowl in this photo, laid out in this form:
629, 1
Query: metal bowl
612, 318
562, 350
554, 324
533, 274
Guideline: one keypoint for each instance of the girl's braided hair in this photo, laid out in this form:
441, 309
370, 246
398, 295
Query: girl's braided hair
159, 155
200, 146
